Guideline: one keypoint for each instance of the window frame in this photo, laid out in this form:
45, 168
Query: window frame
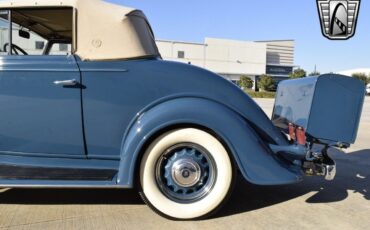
49, 46
74, 27
9, 28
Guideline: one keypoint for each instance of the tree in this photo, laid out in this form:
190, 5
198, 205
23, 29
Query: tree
245, 82
298, 73
266, 83
314, 73
362, 77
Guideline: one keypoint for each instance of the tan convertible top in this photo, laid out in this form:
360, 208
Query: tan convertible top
105, 31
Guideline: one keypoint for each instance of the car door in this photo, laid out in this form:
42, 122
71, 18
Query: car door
40, 106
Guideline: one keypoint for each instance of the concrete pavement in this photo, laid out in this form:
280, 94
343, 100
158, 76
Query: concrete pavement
313, 204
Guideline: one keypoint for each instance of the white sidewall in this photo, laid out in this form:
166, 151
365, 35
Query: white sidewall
199, 208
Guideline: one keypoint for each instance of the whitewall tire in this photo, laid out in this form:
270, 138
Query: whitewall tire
186, 174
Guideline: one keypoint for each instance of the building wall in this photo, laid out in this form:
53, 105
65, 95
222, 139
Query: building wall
280, 52
232, 59
193, 52
279, 58
229, 58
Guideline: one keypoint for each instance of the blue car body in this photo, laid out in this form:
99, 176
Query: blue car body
121, 105
85, 119
104, 110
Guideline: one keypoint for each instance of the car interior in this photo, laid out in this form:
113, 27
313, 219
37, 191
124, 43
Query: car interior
36, 31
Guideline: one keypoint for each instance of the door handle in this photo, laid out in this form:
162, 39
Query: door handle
72, 82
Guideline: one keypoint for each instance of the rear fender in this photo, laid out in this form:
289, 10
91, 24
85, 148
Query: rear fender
254, 159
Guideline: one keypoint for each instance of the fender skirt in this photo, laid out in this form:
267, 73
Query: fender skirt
257, 163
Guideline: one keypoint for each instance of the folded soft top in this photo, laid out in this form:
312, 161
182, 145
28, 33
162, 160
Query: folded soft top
105, 31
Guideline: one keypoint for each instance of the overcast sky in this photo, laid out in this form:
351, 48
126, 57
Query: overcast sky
193, 20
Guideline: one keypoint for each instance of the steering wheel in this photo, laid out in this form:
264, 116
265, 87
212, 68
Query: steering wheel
15, 49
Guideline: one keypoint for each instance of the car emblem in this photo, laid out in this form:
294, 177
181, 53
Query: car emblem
338, 18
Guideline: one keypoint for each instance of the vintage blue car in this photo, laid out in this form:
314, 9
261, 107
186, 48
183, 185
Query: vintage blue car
93, 105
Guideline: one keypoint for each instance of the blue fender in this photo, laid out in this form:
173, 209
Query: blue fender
256, 161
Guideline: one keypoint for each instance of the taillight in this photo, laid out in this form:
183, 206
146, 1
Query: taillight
301, 136
297, 134
292, 132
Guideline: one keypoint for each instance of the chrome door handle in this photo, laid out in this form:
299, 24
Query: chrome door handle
72, 82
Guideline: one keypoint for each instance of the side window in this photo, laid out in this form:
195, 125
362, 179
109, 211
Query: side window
28, 41
60, 49
36, 31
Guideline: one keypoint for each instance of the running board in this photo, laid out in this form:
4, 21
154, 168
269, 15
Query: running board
14, 172
53, 184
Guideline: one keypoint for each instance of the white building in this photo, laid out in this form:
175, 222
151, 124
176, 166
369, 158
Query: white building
232, 59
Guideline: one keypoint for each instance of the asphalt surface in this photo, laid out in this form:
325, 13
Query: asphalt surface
313, 204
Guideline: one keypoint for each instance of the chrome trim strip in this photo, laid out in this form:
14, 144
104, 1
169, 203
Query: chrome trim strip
71, 82
46, 155
10, 31
104, 157
74, 34
65, 186
104, 70
38, 70
63, 70
98, 185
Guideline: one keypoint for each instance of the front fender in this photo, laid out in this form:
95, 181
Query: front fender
255, 161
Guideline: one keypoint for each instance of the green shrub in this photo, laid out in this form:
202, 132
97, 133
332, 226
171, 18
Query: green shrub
245, 82
266, 83
298, 73
362, 77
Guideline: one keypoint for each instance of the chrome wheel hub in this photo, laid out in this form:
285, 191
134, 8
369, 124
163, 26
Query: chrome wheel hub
186, 173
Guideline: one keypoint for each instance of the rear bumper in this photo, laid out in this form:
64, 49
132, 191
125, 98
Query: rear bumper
313, 161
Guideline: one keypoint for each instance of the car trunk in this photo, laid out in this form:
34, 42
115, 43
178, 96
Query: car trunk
326, 108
